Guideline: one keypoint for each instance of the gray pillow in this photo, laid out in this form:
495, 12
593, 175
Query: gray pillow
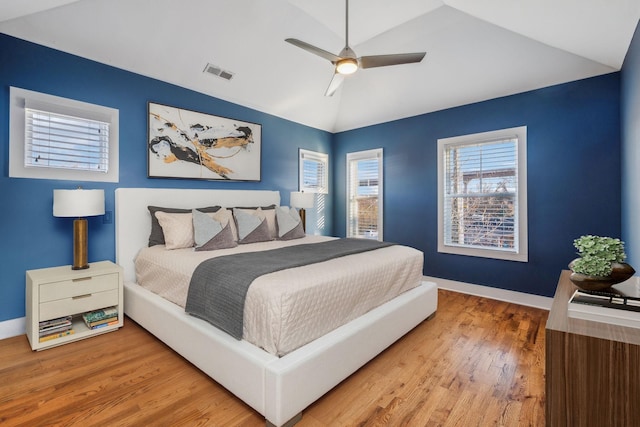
295, 233
264, 208
204, 227
251, 228
222, 240
269, 212
209, 234
156, 237
289, 223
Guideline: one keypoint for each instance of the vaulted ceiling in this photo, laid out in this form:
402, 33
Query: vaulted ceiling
476, 50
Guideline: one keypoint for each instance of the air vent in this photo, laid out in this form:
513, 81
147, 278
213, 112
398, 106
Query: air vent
217, 71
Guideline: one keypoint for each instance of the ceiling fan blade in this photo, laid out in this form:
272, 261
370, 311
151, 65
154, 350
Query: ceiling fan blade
315, 50
393, 59
335, 83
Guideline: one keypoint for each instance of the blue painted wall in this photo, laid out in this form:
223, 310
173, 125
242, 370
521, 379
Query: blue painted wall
631, 151
573, 150
31, 237
574, 165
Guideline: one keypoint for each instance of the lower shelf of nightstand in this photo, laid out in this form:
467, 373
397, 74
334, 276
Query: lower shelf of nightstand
80, 331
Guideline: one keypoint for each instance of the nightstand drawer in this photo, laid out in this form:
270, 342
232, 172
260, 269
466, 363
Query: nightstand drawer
80, 286
78, 304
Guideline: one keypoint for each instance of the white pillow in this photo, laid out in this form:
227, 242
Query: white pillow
177, 229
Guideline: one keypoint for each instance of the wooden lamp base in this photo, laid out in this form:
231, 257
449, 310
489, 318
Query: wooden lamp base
303, 218
80, 238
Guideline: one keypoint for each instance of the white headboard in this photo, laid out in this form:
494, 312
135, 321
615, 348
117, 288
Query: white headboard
133, 221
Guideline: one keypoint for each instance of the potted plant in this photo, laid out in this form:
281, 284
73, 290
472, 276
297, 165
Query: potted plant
601, 263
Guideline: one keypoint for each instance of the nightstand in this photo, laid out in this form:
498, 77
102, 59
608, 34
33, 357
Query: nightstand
591, 368
60, 294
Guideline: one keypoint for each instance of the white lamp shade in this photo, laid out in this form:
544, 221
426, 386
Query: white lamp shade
78, 203
301, 200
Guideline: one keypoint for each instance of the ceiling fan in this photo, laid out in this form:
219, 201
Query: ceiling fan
346, 62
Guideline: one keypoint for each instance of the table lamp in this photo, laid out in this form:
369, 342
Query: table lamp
78, 203
302, 201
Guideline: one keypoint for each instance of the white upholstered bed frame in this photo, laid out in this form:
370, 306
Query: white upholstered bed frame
278, 388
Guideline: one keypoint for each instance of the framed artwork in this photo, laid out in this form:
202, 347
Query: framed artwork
188, 144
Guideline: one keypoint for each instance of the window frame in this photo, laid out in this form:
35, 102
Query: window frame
378, 154
520, 220
323, 158
21, 98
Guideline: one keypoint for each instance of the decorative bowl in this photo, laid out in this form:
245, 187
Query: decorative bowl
619, 273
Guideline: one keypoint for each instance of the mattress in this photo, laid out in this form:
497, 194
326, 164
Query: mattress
290, 308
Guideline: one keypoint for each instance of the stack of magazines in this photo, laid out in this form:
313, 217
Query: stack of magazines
55, 328
618, 305
101, 318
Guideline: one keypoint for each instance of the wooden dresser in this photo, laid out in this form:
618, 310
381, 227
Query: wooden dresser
592, 369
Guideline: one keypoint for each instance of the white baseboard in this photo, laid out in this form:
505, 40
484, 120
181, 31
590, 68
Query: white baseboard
521, 298
13, 327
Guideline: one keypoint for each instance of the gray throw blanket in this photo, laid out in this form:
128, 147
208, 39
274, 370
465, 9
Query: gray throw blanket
219, 285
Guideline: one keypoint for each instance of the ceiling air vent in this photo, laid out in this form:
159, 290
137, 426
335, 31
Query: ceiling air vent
217, 71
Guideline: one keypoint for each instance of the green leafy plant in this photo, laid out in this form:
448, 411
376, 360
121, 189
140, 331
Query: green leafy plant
597, 254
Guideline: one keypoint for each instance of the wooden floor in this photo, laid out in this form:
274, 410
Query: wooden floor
479, 362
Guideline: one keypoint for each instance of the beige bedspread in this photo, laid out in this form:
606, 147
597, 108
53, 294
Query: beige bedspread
287, 309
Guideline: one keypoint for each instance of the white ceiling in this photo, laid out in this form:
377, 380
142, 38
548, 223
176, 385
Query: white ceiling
476, 50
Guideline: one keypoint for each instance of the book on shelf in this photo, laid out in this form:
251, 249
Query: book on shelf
99, 323
56, 335
54, 322
102, 325
98, 315
56, 329
618, 305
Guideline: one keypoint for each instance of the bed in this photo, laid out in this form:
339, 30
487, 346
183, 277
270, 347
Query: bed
279, 388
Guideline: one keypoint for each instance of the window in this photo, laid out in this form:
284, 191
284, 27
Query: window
364, 194
314, 172
59, 138
482, 195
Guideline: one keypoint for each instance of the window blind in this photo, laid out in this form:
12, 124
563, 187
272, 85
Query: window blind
480, 195
67, 142
313, 173
365, 192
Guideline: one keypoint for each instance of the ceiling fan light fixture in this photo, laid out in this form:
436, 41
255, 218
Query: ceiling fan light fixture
347, 62
347, 66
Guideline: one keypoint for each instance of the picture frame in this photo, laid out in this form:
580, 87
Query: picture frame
188, 144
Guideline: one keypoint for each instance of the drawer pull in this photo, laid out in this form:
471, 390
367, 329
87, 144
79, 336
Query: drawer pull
81, 279
81, 296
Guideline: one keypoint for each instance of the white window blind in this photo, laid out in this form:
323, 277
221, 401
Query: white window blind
51, 137
314, 172
482, 200
481, 194
66, 142
364, 207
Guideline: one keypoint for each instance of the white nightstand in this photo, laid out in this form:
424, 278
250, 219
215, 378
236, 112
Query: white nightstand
57, 292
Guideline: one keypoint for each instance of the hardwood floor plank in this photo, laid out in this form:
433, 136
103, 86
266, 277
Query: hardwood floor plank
478, 362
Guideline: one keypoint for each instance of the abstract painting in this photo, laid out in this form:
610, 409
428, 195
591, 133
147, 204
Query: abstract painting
188, 144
